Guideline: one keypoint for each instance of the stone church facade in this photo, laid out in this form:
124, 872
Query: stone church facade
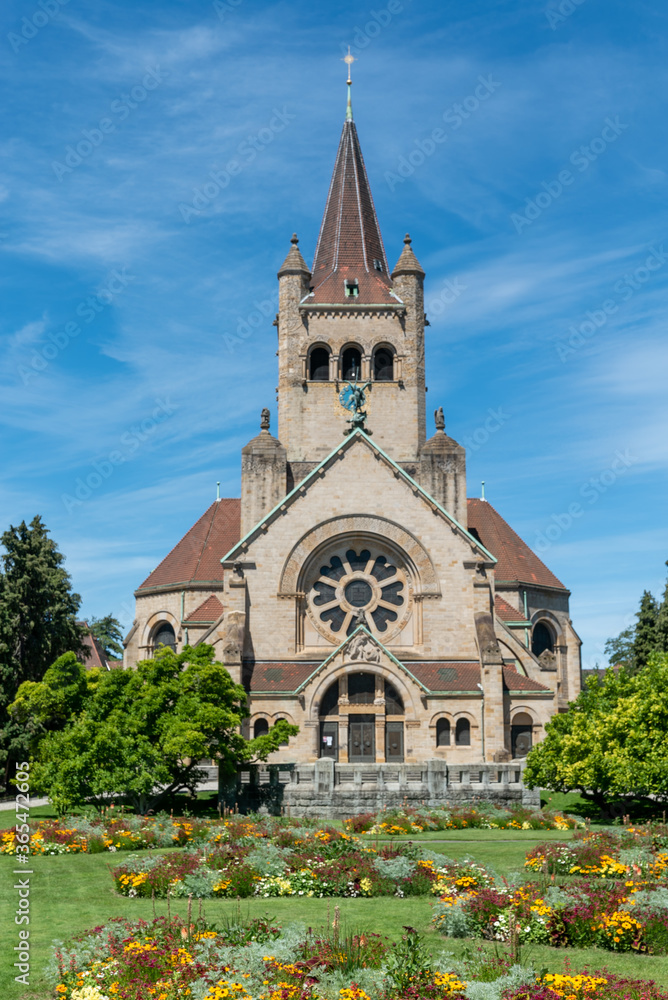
353, 589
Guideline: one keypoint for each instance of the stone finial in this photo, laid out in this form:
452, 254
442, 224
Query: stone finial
408, 262
439, 419
294, 239
264, 419
294, 263
407, 239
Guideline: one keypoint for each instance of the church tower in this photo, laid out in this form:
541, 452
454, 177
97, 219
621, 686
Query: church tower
349, 318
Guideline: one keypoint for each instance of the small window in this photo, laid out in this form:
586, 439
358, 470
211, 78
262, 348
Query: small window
261, 728
378, 266
351, 364
541, 639
283, 743
352, 288
165, 636
319, 365
383, 365
521, 734
443, 733
463, 733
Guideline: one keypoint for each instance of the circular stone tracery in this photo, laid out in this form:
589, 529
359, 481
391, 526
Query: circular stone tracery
359, 587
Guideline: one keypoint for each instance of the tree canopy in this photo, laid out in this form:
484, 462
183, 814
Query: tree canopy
612, 743
137, 733
37, 619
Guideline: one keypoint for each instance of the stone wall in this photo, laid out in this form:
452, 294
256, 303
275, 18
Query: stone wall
329, 790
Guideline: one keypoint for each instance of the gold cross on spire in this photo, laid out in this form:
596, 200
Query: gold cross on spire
350, 60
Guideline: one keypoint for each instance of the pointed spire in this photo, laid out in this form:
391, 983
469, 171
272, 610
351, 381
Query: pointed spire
350, 246
408, 262
349, 109
294, 263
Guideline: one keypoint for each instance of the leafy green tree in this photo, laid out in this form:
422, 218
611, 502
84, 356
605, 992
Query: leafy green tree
612, 743
137, 733
109, 633
37, 620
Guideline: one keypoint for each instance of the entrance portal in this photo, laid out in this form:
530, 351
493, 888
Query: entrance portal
362, 739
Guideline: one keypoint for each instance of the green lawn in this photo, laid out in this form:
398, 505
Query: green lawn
71, 893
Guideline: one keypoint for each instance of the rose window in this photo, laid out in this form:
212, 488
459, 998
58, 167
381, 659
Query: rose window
359, 588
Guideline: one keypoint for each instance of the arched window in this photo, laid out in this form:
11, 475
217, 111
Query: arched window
286, 741
351, 364
261, 728
164, 636
542, 638
318, 369
443, 733
383, 365
463, 733
393, 701
329, 704
521, 734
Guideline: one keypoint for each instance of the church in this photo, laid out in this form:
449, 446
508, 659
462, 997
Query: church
354, 589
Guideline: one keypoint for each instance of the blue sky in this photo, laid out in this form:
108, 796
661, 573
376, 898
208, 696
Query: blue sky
538, 209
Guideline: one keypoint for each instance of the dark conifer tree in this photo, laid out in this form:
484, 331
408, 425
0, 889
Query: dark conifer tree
645, 640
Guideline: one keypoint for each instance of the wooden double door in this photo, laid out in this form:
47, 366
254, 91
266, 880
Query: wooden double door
362, 740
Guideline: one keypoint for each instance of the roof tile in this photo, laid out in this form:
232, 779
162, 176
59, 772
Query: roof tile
197, 556
516, 561
208, 611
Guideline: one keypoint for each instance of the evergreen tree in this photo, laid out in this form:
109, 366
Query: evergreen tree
662, 623
109, 633
620, 649
645, 639
37, 620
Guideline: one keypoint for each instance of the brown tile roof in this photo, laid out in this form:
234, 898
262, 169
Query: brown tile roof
516, 561
350, 240
506, 612
274, 676
209, 611
197, 556
513, 681
93, 654
446, 675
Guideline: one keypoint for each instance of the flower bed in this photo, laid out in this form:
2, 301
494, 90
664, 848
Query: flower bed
320, 864
614, 914
82, 834
256, 960
630, 853
412, 820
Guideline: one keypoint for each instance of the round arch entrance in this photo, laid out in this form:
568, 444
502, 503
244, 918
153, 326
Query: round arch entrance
361, 720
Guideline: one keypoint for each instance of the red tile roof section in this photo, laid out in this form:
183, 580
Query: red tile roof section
280, 676
506, 612
513, 681
516, 561
197, 556
446, 675
350, 239
209, 611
